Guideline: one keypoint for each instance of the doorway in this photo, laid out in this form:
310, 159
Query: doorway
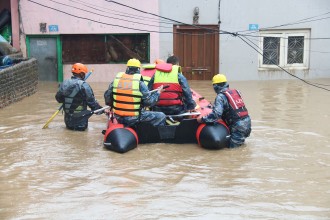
44, 49
198, 50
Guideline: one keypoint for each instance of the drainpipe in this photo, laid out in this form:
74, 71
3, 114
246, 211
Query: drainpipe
15, 24
219, 20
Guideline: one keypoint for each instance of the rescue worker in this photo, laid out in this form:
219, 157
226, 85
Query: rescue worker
76, 95
177, 98
229, 106
128, 95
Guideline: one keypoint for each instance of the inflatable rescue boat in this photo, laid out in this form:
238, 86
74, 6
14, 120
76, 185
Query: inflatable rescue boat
181, 129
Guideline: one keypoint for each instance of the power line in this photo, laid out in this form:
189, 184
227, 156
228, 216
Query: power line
233, 34
212, 31
105, 15
121, 14
258, 40
115, 25
145, 12
143, 30
305, 81
304, 20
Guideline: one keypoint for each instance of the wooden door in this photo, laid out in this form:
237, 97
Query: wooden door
198, 50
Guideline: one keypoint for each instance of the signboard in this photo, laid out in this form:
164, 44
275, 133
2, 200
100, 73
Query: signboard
41, 43
53, 28
253, 27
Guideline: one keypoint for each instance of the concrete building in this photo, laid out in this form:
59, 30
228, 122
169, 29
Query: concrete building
209, 36
100, 34
292, 34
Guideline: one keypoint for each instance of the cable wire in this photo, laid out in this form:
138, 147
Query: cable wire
241, 36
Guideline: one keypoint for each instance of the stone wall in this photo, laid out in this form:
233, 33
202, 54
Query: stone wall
18, 81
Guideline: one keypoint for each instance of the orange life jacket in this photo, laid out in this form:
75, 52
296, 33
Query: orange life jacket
126, 94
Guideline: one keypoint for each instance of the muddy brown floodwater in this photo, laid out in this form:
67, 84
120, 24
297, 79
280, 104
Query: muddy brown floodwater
283, 171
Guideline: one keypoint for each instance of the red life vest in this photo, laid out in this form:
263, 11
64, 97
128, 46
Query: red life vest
173, 94
236, 102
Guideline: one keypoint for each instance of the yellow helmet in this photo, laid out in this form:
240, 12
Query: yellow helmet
133, 62
219, 78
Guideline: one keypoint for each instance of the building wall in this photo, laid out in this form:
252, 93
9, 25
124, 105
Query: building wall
240, 61
33, 14
182, 11
237, 59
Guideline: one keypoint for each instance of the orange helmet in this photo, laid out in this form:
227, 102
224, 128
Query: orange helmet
158, 61
78, 68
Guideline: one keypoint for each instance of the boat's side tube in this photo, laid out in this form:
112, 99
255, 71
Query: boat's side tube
213, 137
120, 139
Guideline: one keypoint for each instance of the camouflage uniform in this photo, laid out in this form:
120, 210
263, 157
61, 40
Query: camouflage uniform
240, 128
76, 95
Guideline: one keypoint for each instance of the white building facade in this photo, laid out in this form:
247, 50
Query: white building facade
260, 40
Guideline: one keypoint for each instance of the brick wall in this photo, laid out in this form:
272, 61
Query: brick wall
18, 81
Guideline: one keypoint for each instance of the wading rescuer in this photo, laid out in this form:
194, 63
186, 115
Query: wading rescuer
229, 106
177, 98
128, 95
76, 95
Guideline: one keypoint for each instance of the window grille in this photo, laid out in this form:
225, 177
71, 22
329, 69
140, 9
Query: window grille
271, 50
285, 48
295, 49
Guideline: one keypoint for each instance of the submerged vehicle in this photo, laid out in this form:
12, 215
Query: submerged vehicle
180, 129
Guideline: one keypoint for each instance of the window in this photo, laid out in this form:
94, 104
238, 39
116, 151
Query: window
99, 49
286, 48
122, 47
83, 49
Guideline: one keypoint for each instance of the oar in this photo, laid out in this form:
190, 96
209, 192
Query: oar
184, 114
60, 108
53, 116
86, 114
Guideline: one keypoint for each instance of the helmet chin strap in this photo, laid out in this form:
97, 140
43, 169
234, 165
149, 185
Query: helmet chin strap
131, 71
80, 75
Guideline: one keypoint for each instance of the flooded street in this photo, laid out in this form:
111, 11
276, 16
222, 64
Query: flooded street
283, 171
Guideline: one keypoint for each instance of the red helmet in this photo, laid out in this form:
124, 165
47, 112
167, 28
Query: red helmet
79, 68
